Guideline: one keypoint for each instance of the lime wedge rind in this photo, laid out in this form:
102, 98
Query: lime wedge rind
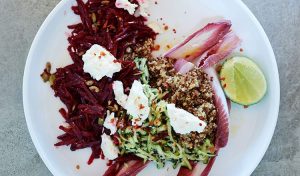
243, 81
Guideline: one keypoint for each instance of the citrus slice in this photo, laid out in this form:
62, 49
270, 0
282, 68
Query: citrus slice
243, 81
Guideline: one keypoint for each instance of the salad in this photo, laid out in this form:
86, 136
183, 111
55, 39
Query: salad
132, 108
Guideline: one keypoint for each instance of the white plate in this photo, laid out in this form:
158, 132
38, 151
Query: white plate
250, 129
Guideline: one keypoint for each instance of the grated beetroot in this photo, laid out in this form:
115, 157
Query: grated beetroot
85, 106
104, 24
101, 23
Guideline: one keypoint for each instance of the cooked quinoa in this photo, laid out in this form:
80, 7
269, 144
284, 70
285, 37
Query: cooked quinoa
141, 50
191, 92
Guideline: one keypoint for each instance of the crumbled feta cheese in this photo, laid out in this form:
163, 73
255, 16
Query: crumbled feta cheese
137, 104
143, 8
125, 4
99, 62
111, 122
108, 147
184, 122
120, 97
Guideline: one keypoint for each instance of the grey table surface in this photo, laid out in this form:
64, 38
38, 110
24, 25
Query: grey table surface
19, 22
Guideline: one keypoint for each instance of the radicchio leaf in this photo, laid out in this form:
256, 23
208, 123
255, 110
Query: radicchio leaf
199, 42
220, 51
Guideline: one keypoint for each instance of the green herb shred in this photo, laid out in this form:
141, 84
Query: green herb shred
155, 140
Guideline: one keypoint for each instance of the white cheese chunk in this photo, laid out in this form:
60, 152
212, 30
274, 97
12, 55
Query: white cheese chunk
99, 62
111, 122
184, 122
137, 104
143, 8
110, 150
120, 96
126, 5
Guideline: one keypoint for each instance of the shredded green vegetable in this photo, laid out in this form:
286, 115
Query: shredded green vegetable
155, 140
141, 64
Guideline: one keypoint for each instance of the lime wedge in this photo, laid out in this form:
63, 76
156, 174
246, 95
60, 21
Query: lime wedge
243, 81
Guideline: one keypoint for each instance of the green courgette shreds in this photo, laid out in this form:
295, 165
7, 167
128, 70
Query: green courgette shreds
155, 140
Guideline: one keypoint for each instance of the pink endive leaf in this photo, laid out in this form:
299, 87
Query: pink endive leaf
132, 168
204, 55
125, 166
182, 66
209, 165
220, 102
200, 41
229, 104
220, 51
184, 171
198, 169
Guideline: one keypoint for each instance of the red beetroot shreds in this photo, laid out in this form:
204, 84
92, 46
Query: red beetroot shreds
85, 106
115, 29
104, 24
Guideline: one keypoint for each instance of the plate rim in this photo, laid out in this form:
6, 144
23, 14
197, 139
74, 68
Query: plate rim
251, 167
265, 146
29, 60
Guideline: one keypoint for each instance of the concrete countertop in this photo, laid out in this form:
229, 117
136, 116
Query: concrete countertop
19, 22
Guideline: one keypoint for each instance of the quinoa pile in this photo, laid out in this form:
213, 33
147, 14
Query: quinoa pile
191, 92
141, 50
